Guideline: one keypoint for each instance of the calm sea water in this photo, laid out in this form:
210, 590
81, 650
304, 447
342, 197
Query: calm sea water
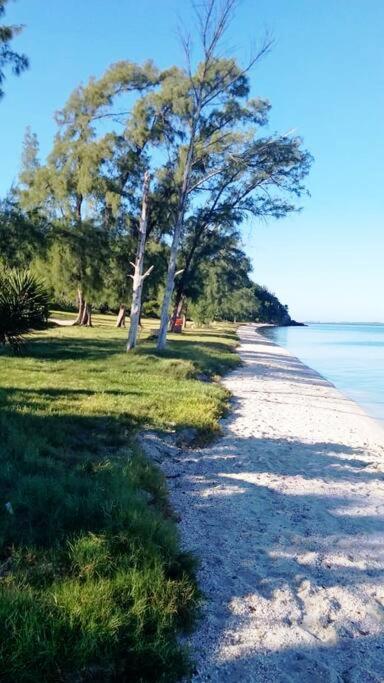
351, 356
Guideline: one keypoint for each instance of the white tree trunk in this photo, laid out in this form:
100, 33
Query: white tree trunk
138, 277
80, 304
162, 338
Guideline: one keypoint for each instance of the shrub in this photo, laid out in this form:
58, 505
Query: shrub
23, 305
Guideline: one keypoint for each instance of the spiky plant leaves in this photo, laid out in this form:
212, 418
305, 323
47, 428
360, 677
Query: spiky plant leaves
23, 305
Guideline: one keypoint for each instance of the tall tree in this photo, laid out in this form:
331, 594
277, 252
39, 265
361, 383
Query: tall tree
8, 57
89, 175
213, 89
256, 182
138, 276
218, 151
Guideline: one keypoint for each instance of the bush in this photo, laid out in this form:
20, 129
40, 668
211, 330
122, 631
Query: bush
23, 305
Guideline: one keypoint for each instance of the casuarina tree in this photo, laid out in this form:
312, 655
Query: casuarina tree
218, 155
89, 175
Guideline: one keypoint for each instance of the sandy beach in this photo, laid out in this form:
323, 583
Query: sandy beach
286, 513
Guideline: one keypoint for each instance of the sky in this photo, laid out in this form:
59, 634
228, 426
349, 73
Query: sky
324, 78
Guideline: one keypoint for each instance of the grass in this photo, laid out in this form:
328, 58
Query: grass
93, 585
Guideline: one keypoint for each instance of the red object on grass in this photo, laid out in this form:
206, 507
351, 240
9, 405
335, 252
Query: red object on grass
178, 326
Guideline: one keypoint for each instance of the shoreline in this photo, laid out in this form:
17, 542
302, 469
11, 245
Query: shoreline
286, 513
362, 405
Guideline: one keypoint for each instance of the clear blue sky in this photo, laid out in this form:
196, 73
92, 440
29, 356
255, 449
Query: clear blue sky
324, 77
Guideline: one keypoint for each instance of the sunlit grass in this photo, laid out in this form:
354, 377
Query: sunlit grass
79, 371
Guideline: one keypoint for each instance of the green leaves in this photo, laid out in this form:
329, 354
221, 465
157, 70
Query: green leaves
200, 132
23, 305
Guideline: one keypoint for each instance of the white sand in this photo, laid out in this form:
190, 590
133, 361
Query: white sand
286, 513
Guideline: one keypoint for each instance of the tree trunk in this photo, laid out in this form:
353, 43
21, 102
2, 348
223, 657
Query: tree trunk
177, 312
84, 317
120, 322
89, 315
80, 304
86, 320
187, 272
138, 277
162, 338
177, 308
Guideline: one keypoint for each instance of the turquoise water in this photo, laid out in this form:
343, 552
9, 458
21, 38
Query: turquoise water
351, 356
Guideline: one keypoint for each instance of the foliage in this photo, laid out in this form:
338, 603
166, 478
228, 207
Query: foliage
216, 281
8, 57
200, 133
270, 309
23, 305
221, 288
23, 235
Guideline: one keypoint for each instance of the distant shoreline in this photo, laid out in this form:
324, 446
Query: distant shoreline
344, 359
340, 322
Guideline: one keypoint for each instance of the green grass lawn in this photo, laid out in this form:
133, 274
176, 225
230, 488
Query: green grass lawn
93, 585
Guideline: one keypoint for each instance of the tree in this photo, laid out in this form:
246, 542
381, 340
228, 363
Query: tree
253, 184
221, 163
271, 310
223, 273
194, 112
223, 290
8, 57
88, 176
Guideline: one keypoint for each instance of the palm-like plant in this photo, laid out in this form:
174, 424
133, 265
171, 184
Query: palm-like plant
23, 305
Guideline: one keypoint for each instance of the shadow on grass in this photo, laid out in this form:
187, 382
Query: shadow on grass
209, 357
66, 348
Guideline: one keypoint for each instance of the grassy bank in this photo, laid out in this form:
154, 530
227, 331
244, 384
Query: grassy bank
93, 585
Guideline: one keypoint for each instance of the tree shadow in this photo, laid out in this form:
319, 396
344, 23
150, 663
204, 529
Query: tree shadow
291, 540
211, 333
281, 366
67, 348
344, 662
10, 395
211, 357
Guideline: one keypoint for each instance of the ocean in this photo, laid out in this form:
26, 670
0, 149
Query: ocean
350, 355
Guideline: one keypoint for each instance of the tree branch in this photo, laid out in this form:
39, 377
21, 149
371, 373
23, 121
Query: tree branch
147, 272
